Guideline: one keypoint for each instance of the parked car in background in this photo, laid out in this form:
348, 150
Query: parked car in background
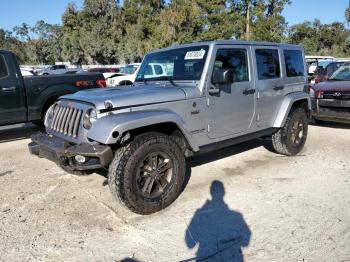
106, 71
129, 69
331, 98
27, 72
153, 70
26, 99
325, 70
312, 62
213, 95
125, 76
56, 70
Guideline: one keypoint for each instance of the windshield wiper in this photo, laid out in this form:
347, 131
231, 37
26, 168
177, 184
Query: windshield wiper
167, 78
144, 80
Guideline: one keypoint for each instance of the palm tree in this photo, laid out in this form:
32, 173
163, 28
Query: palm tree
347, 14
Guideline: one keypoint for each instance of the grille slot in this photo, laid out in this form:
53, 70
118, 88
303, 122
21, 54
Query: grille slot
66, 120
341, 95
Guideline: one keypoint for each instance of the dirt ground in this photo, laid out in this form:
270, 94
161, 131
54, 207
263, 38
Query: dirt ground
243, 199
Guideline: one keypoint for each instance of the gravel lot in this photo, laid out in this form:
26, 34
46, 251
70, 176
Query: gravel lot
274, 208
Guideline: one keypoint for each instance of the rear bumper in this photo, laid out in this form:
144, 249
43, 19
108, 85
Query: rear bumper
63, 153
331, 109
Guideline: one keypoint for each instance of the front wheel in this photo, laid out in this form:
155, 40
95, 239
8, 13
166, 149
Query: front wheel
147, 174
291, 138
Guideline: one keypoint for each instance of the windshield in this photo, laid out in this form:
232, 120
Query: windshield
176, 64
128, 70
324, 63
342, 74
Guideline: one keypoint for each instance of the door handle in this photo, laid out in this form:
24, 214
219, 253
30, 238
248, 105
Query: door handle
280, 87
9, 89
249, 91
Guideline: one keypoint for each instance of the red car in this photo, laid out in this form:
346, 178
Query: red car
324, 72
331, 99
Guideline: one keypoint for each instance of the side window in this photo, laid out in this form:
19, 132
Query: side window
61, 67
268, 64
158, 69
149, 70
235, 59
54, 67
294, 63
3, 67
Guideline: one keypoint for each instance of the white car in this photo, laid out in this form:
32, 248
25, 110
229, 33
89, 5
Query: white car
125, 76
27, 72
56, 69
153, 69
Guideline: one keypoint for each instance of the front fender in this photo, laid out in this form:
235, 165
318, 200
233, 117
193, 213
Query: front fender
287, 104
109, 129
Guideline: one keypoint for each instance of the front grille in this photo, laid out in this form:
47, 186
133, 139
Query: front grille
66, 120
340, 95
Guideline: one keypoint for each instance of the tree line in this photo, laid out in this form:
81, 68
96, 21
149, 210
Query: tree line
113, 32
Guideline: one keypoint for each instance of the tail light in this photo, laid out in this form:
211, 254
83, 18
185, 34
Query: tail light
84, 83
101, 83
319, 94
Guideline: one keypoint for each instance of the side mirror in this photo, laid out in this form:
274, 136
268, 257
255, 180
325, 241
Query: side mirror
222, 76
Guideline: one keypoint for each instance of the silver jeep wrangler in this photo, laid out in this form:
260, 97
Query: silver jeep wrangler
205, 96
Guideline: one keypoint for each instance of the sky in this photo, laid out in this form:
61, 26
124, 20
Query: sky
15, 12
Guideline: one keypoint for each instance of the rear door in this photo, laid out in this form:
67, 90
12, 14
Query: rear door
12, 100
269, 82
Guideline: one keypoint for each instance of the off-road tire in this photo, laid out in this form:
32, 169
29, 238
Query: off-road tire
281, 141
123, 170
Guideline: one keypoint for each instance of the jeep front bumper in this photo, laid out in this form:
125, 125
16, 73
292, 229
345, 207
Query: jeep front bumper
64, 153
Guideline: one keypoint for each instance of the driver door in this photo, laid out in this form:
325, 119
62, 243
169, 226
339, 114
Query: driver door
12, 102
231, 111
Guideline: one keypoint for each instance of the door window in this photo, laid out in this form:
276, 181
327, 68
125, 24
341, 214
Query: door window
267, 63
234, 59
3, 67
294, 63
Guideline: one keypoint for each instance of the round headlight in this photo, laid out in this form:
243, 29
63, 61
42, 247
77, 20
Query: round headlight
89, 118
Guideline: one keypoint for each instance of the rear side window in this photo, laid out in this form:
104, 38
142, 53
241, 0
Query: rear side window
234, 59
267, 63
3, 67
294, 63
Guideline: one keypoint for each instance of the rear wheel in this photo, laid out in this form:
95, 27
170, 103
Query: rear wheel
147, 174
291, 138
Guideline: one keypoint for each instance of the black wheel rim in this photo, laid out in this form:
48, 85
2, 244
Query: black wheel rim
297, 132
154, 174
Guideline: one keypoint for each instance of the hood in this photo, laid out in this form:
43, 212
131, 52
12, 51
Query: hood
333, 86
128, 96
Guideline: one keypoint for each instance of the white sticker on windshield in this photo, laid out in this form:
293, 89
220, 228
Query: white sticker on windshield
195, 54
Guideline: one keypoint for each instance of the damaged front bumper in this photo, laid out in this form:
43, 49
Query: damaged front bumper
75, 157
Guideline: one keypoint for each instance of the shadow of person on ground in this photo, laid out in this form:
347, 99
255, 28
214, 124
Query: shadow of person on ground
219, 232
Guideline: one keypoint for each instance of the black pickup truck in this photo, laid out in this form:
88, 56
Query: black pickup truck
26, 99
